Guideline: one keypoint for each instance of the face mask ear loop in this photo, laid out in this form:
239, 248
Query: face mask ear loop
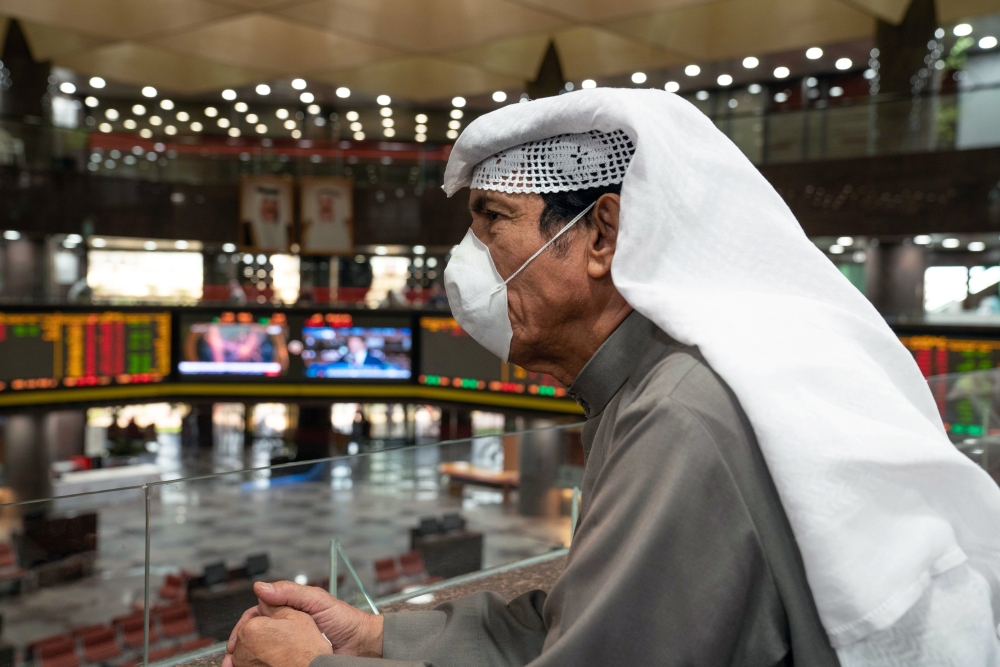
542, 249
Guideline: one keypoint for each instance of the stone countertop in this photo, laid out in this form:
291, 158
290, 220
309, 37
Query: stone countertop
508, 583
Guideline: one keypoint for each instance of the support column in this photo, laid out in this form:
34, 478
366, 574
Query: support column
540, 455
26, 457
895, 279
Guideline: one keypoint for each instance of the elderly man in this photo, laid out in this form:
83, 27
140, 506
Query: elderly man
767, 479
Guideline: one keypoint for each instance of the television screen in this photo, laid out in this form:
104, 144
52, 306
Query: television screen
235, 344
330, 350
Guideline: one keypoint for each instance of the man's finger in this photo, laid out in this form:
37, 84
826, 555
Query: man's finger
228, 660
289, 614
288, 594
247, 615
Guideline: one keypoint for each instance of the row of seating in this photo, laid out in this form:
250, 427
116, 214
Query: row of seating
98, 644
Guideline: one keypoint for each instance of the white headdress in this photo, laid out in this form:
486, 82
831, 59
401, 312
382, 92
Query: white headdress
878, 498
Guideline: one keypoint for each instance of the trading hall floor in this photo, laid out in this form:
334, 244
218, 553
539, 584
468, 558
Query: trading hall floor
369, 504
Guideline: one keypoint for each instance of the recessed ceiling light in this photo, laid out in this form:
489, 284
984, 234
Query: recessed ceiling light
922, 239
844, 63
196, 127
385, 112
456, 114
359, 136
299, 84
988, 42
754, 88
260, 129
692, 70
781, 72
384, 100
343, 92
750, 62
91, 101
149, 91
289, 124
211, 112
702, 95
836, 250
281, 113
836, 91
951, 243
111, 114
724, 80
672, 86
241, 107
67, 87
976, 246
167, 105
183, 116
313, 109
307, 98
458, 101
814, 53
97, 82
420, 118
234, 132
962, 29
638, 77
138, 109
587, 84
229, 94
351, 115
845, 241
499, 96
263, 89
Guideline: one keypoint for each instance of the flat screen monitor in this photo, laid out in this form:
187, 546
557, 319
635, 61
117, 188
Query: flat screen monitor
449, 357
235, 344
337, 346
46, 350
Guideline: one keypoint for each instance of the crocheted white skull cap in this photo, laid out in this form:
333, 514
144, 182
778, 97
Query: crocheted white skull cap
557, 164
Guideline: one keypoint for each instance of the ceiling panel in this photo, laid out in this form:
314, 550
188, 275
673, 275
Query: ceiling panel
419, 78
519, 57
591, 52
272, 44
142, 65
605, 10
116, 19
953, 10
741, 27
430, 26
892, 11
47, 42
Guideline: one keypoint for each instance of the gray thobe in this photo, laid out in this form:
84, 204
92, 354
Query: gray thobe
683, 554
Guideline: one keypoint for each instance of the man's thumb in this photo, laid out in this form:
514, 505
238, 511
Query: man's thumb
289, 594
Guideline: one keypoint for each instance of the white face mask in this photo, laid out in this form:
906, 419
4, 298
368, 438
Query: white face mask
478, 295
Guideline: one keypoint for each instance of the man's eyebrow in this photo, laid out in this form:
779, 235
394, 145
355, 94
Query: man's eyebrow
481, 201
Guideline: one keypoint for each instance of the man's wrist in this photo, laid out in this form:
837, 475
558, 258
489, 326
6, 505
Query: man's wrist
370, 644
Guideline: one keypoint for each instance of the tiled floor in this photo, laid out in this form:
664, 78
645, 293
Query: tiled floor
368, 503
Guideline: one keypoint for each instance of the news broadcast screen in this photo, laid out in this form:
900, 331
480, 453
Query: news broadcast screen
235, 344
336, 346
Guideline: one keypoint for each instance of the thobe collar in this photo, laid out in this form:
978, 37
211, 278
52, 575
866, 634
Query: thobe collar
611, 365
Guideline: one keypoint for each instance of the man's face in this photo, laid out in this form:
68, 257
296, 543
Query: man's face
544, 295
355, 344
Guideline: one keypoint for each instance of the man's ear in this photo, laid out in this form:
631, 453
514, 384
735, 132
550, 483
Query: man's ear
604, 235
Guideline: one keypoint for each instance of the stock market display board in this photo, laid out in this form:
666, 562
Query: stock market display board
55, 349
451, 358
940, 355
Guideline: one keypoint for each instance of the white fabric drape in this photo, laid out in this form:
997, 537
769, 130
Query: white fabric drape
879, 500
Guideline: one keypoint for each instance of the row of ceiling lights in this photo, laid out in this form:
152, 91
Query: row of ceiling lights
845, 242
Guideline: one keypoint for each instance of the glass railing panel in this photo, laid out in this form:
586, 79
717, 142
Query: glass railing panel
72, 579
785, 132
848, 131
377, 524
747, 132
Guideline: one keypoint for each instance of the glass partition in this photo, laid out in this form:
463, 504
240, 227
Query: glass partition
72, 579
366, 527
970, 408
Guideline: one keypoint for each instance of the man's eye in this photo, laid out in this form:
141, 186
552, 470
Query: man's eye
492, 215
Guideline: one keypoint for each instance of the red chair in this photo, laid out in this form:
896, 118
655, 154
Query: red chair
196, 644
56, 652
131, 627
386, 570
413, 564
176, 621
174, 587
101, 645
